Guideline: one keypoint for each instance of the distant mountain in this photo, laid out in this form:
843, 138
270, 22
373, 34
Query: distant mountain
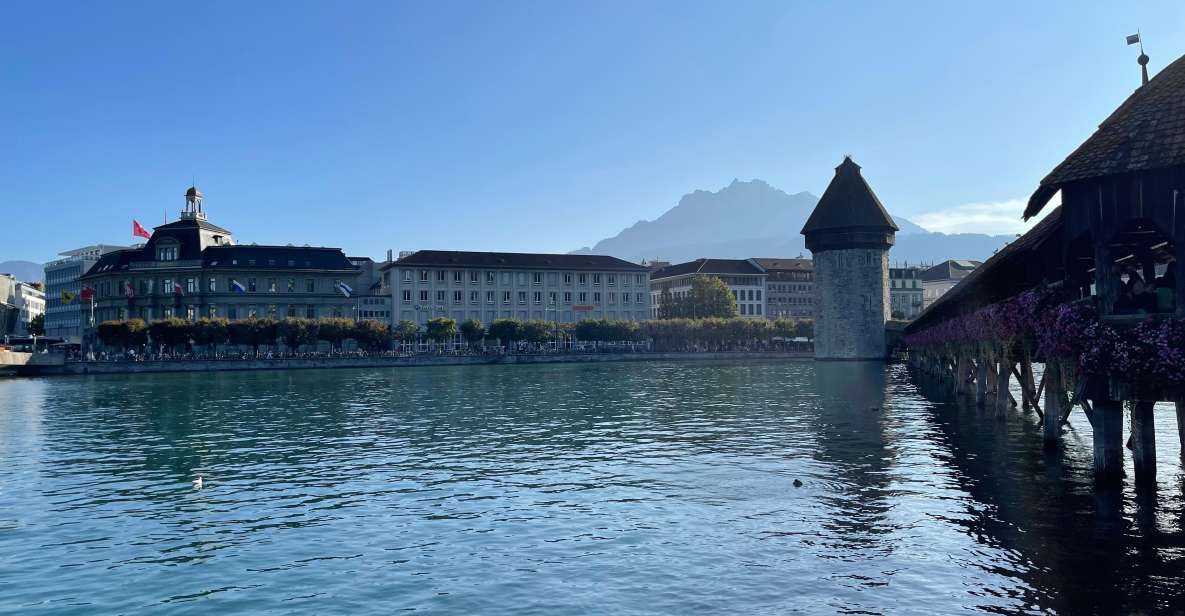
754, 219
25, 271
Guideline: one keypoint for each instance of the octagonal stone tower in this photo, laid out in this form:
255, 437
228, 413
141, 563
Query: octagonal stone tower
849, 235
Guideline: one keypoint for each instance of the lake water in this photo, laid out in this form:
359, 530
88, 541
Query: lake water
660, 488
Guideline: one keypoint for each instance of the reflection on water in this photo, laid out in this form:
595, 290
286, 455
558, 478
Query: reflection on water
617, 488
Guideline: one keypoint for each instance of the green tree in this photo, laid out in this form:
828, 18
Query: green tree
334, 330
36, 325
505, 330
265, 332
296, 331
135, 332
710, 297
111, 333
405, 331
667, 308
242, 332
536, 331
805, 329
210, 332
472, 331
441, 329
372, 335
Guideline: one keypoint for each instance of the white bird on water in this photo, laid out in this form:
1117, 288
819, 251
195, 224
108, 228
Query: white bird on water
198, 483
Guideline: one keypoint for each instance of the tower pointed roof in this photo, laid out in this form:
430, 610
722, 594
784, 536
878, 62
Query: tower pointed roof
848, 203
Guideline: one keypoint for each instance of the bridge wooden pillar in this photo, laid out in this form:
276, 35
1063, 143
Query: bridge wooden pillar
1003, 389
981, 385
1108, 439
1055, 388
961, 373
1181, 426
1143, 439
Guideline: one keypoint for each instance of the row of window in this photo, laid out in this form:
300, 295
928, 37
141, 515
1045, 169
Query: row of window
146, 286
747, 295
790, 288
749, 309
236, 311
536, 297
522, 278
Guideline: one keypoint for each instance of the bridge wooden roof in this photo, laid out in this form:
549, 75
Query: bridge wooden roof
1146, 132
1015, 268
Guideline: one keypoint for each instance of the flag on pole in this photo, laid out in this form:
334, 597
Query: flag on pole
138, 230
237, 286
87, 294
344, 288
177, 289
128, 290
68, 297
1132, 39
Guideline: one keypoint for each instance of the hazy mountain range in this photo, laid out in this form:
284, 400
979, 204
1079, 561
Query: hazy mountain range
25, 271
754, 219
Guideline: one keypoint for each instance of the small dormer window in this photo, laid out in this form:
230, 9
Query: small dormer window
166, 253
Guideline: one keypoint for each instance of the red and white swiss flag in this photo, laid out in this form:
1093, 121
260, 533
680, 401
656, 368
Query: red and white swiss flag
139, 230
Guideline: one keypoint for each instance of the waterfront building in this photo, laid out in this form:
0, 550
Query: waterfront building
939, 279
849, 234
790, 288
744, 277
503, 285
191, 268
23, 301
905, 292
66, 316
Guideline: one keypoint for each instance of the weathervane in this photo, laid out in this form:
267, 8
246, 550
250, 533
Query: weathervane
1134, 39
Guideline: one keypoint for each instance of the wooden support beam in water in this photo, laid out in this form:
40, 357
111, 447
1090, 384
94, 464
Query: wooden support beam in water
981, 381
1108, 440
1054, 400
1143, 439
1003, 390
1181, 426
961, 374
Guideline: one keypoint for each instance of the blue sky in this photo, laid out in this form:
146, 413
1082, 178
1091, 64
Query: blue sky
537, 126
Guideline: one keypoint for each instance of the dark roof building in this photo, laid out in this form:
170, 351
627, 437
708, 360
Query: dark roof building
709, 267
951, 269
516, 260
193, 268
849, 214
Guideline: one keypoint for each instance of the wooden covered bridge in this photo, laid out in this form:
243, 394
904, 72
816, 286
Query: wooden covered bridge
1087, 309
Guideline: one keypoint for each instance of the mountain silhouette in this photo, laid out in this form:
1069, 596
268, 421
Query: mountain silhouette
25, 271
754, 219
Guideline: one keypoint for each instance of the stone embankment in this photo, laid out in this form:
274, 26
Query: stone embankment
221, 365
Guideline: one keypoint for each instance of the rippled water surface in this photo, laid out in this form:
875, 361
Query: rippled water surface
663, 488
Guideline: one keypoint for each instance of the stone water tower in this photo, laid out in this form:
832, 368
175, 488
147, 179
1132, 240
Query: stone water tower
849, 235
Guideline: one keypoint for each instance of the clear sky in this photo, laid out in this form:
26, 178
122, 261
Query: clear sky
537, 126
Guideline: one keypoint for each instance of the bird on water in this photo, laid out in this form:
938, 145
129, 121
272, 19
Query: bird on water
198, 483
797, 483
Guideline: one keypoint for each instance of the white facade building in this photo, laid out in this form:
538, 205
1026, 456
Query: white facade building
524, 286
744, 277
66, 316
22, 302
941, 278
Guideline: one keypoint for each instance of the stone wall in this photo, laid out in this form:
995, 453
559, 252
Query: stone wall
124, 367
851, 303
